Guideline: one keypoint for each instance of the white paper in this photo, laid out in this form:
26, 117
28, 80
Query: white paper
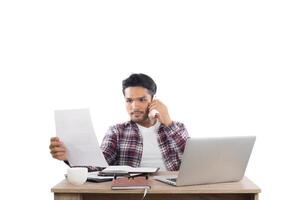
75, 130
128, 169
94, 175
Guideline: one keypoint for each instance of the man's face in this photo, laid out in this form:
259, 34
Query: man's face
137, 101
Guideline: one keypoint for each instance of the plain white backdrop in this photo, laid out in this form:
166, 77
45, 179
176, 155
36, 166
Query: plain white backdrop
222, 67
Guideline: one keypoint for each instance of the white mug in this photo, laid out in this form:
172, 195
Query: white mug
77, 175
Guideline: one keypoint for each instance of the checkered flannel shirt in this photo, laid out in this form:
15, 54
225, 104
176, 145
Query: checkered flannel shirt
123, 144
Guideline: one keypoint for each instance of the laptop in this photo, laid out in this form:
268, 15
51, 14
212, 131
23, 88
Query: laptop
212, 160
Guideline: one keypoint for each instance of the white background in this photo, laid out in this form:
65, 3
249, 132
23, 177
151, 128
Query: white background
222, 67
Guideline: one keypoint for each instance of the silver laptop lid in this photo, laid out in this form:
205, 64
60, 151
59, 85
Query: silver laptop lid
213, 160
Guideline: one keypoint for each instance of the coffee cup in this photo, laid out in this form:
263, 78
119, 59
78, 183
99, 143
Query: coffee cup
77, 175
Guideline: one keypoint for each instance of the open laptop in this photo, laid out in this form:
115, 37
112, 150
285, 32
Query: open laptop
212, 160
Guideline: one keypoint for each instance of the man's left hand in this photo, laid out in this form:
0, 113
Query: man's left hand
163, 115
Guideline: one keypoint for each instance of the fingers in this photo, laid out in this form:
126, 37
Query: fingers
156, 103
163, 115
59, 156
58, 150
54, 139
153, 105
55, 142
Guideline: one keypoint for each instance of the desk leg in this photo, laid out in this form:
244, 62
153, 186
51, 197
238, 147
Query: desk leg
61, 196
256, 197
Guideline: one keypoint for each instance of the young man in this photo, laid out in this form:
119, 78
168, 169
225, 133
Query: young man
143, 141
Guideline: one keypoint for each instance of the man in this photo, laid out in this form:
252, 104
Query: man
143, 141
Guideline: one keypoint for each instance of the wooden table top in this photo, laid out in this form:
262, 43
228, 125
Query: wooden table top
243, 186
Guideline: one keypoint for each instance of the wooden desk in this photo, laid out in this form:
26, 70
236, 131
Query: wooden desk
242, 190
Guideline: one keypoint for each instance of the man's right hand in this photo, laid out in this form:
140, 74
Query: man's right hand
57, 149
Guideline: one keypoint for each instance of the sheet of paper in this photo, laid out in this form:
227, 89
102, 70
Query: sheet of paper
95, 175
128, 169
75, 130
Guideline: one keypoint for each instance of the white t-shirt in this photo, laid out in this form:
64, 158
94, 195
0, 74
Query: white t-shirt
151, 155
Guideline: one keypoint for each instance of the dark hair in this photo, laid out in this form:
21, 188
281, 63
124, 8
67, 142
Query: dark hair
141, 80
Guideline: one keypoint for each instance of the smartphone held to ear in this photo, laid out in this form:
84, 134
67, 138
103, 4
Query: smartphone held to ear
153, 113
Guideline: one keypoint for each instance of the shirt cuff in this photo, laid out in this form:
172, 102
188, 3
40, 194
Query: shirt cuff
171, 127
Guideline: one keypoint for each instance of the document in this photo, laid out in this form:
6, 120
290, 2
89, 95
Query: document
123, 169
75, 130
94, 177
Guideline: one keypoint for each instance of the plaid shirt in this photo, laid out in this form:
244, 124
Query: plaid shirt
123, 144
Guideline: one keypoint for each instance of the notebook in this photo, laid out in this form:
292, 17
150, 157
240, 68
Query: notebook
128, 183
124, 169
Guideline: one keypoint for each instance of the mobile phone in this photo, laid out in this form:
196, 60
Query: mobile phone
153, 113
